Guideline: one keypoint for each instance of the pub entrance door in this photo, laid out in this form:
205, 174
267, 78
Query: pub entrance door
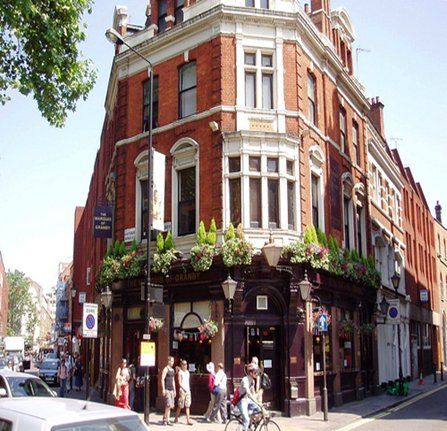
263, 342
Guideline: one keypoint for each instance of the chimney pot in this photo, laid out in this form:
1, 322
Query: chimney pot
306, 8
438, 211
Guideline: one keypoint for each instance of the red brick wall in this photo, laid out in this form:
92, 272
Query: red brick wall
3, 299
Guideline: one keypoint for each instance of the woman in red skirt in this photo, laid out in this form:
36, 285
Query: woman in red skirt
121, 388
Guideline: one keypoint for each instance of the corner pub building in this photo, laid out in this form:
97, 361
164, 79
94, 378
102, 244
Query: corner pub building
262, 123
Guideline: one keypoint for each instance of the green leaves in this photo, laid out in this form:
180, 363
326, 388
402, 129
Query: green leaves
39, 54
20, 304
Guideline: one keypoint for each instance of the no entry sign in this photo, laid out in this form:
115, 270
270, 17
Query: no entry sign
90, 321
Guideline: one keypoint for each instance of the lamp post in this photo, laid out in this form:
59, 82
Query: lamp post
229, 288
114, 37
73, 296
395, 280
106, 301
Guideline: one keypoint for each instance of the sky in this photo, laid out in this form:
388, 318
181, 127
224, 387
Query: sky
45, 172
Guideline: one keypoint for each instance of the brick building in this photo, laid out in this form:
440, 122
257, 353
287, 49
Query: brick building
421, 281
262, 122
441, 273
387, 236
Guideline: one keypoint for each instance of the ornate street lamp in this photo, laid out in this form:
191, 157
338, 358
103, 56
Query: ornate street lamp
106, 298
229, 288
114, 37
395, 280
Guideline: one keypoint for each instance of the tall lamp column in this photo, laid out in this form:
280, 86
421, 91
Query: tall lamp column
73, 296
229, 288
395, 280
114, 37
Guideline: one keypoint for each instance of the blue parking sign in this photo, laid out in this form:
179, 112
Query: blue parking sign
322, 323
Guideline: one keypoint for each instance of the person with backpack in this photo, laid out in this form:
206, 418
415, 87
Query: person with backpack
246, 397
210, 369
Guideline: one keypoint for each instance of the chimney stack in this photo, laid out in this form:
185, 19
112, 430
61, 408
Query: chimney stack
438, 210
376, 115
306, 9
321, 16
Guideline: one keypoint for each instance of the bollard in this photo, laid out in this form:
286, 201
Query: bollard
434, 373
442, 371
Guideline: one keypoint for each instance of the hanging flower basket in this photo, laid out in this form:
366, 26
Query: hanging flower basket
202, 256
155, 325
208, 329
236, 250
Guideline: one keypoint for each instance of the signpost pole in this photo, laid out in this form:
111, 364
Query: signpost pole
325, 406
87, 369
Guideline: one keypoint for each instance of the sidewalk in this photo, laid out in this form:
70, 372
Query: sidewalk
339, 417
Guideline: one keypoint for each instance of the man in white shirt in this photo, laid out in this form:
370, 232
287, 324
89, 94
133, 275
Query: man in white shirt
248, 399
184, 399
220, 391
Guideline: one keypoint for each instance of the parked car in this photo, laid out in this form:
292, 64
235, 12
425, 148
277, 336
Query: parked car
14, 384
3, 363
51, 355
65, 414
48, 370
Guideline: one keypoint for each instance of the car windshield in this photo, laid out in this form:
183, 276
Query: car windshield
23, 387
108, 424
49, 365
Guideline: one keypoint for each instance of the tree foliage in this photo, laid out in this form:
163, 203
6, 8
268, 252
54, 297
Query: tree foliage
21, 305
39, 54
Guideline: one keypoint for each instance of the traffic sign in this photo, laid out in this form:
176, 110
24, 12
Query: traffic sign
90, 320
147, 354
323, 323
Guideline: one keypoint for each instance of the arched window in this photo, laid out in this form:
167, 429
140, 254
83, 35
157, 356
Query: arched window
185, 186
348, 210
360, 220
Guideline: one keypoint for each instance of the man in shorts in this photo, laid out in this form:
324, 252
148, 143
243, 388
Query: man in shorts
184, 399
168, 389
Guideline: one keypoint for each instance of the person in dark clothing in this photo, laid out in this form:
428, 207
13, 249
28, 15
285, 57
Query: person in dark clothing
168, 389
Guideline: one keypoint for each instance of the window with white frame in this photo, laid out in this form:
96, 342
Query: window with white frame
355, 143
141, 200
348, 219
342, 126
267, 191
312, 98
187, 90
259, 74
316, 159
185, 186
162, 14
426, 336
263, 4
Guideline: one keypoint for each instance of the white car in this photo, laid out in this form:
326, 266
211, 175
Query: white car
14, 384
65, 414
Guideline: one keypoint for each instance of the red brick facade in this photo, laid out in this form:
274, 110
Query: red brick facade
3, 298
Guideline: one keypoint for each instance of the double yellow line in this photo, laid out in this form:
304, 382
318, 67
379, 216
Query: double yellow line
387, 412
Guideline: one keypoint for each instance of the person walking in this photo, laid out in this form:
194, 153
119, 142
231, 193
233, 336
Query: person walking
121, 388
168, 389
258, 389
247, 396
184, 399
77, 372
220, 391
132, 380
62, 376
210, 369
69, 362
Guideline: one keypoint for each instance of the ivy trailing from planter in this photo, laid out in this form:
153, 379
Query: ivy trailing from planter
120, 263
203, 252
165, 254
236, 250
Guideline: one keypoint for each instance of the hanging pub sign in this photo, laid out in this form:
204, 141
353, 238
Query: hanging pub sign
103, 221
158, 191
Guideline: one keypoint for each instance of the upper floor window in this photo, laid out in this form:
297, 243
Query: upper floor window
355, 143
187, 90
312, 98
250, 3
258, 80
342, 121
348, 217
162, 14
146, 102
178, 12
263, 4
317, 159
184, 187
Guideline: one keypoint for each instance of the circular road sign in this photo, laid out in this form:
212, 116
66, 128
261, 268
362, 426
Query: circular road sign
393, 312
90, 321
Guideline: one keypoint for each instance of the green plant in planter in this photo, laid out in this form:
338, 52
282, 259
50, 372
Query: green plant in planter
120, 263
311, 250
165, 254
202, 253
236, 250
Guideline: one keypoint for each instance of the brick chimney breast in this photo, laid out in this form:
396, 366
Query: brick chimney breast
376, 115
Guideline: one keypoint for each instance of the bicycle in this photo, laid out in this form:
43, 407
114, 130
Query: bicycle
259, 421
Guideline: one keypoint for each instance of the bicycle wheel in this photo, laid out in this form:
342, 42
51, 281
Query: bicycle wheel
233, 425
268, 426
